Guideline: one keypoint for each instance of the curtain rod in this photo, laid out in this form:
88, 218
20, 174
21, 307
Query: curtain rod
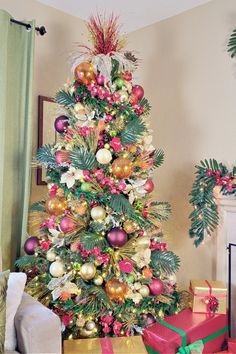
41, 30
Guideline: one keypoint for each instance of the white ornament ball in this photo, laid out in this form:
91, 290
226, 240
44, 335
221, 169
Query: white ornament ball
104, 156
172, 279
98, 213
144, 290
51, 256
57, 269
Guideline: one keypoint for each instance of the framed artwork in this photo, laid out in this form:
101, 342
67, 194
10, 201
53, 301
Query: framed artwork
47, 113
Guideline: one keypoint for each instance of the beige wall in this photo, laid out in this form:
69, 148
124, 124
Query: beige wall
51, 54
191, 83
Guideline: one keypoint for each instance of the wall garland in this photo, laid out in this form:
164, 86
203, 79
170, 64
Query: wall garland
211, 176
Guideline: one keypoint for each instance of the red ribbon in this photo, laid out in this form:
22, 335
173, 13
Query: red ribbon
106, 345
207, 294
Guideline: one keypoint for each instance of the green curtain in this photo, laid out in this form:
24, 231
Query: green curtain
16, 118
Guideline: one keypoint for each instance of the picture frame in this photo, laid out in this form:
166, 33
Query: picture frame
47, 113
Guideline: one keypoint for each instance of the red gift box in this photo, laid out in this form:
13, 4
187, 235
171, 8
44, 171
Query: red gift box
231, 347
176, 332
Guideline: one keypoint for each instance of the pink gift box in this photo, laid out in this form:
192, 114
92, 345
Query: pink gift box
160, 339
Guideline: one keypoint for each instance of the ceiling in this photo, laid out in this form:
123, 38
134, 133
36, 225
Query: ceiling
134, 14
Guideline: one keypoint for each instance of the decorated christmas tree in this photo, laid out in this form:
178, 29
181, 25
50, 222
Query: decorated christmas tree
98, 258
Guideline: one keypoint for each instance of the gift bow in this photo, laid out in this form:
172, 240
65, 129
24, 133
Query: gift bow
194, 348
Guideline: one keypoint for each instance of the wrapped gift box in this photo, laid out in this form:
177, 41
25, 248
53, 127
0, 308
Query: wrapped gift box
177, 332
116, 345
202, 290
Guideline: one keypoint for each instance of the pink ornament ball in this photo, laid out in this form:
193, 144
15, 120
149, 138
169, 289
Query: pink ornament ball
117, 237
156, 287
138, 92
61, 123
149, 185
67, 224
62, 157
30, 244
101, 79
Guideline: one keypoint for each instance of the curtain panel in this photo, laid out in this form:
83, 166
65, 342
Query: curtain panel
16, 119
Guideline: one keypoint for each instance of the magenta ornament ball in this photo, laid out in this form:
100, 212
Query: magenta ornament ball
61, 123
138, 92
67, 224
156, 287
30, 244
100, 79
62, 157
117, 237
149, 185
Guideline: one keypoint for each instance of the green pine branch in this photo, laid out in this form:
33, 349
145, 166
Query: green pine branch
232, 44
146, 105
83, 159
90, 240
165, 261
158, 157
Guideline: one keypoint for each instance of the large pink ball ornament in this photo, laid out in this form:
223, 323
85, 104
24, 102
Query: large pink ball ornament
149, 185
156, 287
61, 123
68, 224
117, 237
30, 244
62, 157
138, 92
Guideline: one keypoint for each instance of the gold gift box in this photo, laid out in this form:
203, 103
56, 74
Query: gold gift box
120, 345
200, 289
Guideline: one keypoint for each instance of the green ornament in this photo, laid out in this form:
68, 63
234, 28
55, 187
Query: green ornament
113, 133
86, 187
130, 278
119, 82
77, 265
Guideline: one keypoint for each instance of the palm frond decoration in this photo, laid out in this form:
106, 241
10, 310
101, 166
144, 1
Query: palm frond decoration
158, 157
120, 204
132, 132
165, 261
146, 105
46, 157
65, 99
83, 159
158, 211
232, 44
89, 240
92, 140
35, 219
38, 206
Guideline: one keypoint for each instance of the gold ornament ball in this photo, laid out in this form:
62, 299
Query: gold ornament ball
98, 213
87, 271
123, 95
122, 167
144, 290
81, 209
90, 325
103, 156
116, 290
129, 226
79, 109
85, 333
84, 73
56, 205
98, 280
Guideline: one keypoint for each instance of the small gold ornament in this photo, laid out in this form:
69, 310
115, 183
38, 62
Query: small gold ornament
85, 333
87, 271
80, 322
90, 325
98, 280
51, 256
129, 226
84, 73
57, 269
116, 290
144, 290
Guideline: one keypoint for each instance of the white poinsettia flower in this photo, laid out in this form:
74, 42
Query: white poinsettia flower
135, 296
142, 258
60, 285
54, 232
71, 176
